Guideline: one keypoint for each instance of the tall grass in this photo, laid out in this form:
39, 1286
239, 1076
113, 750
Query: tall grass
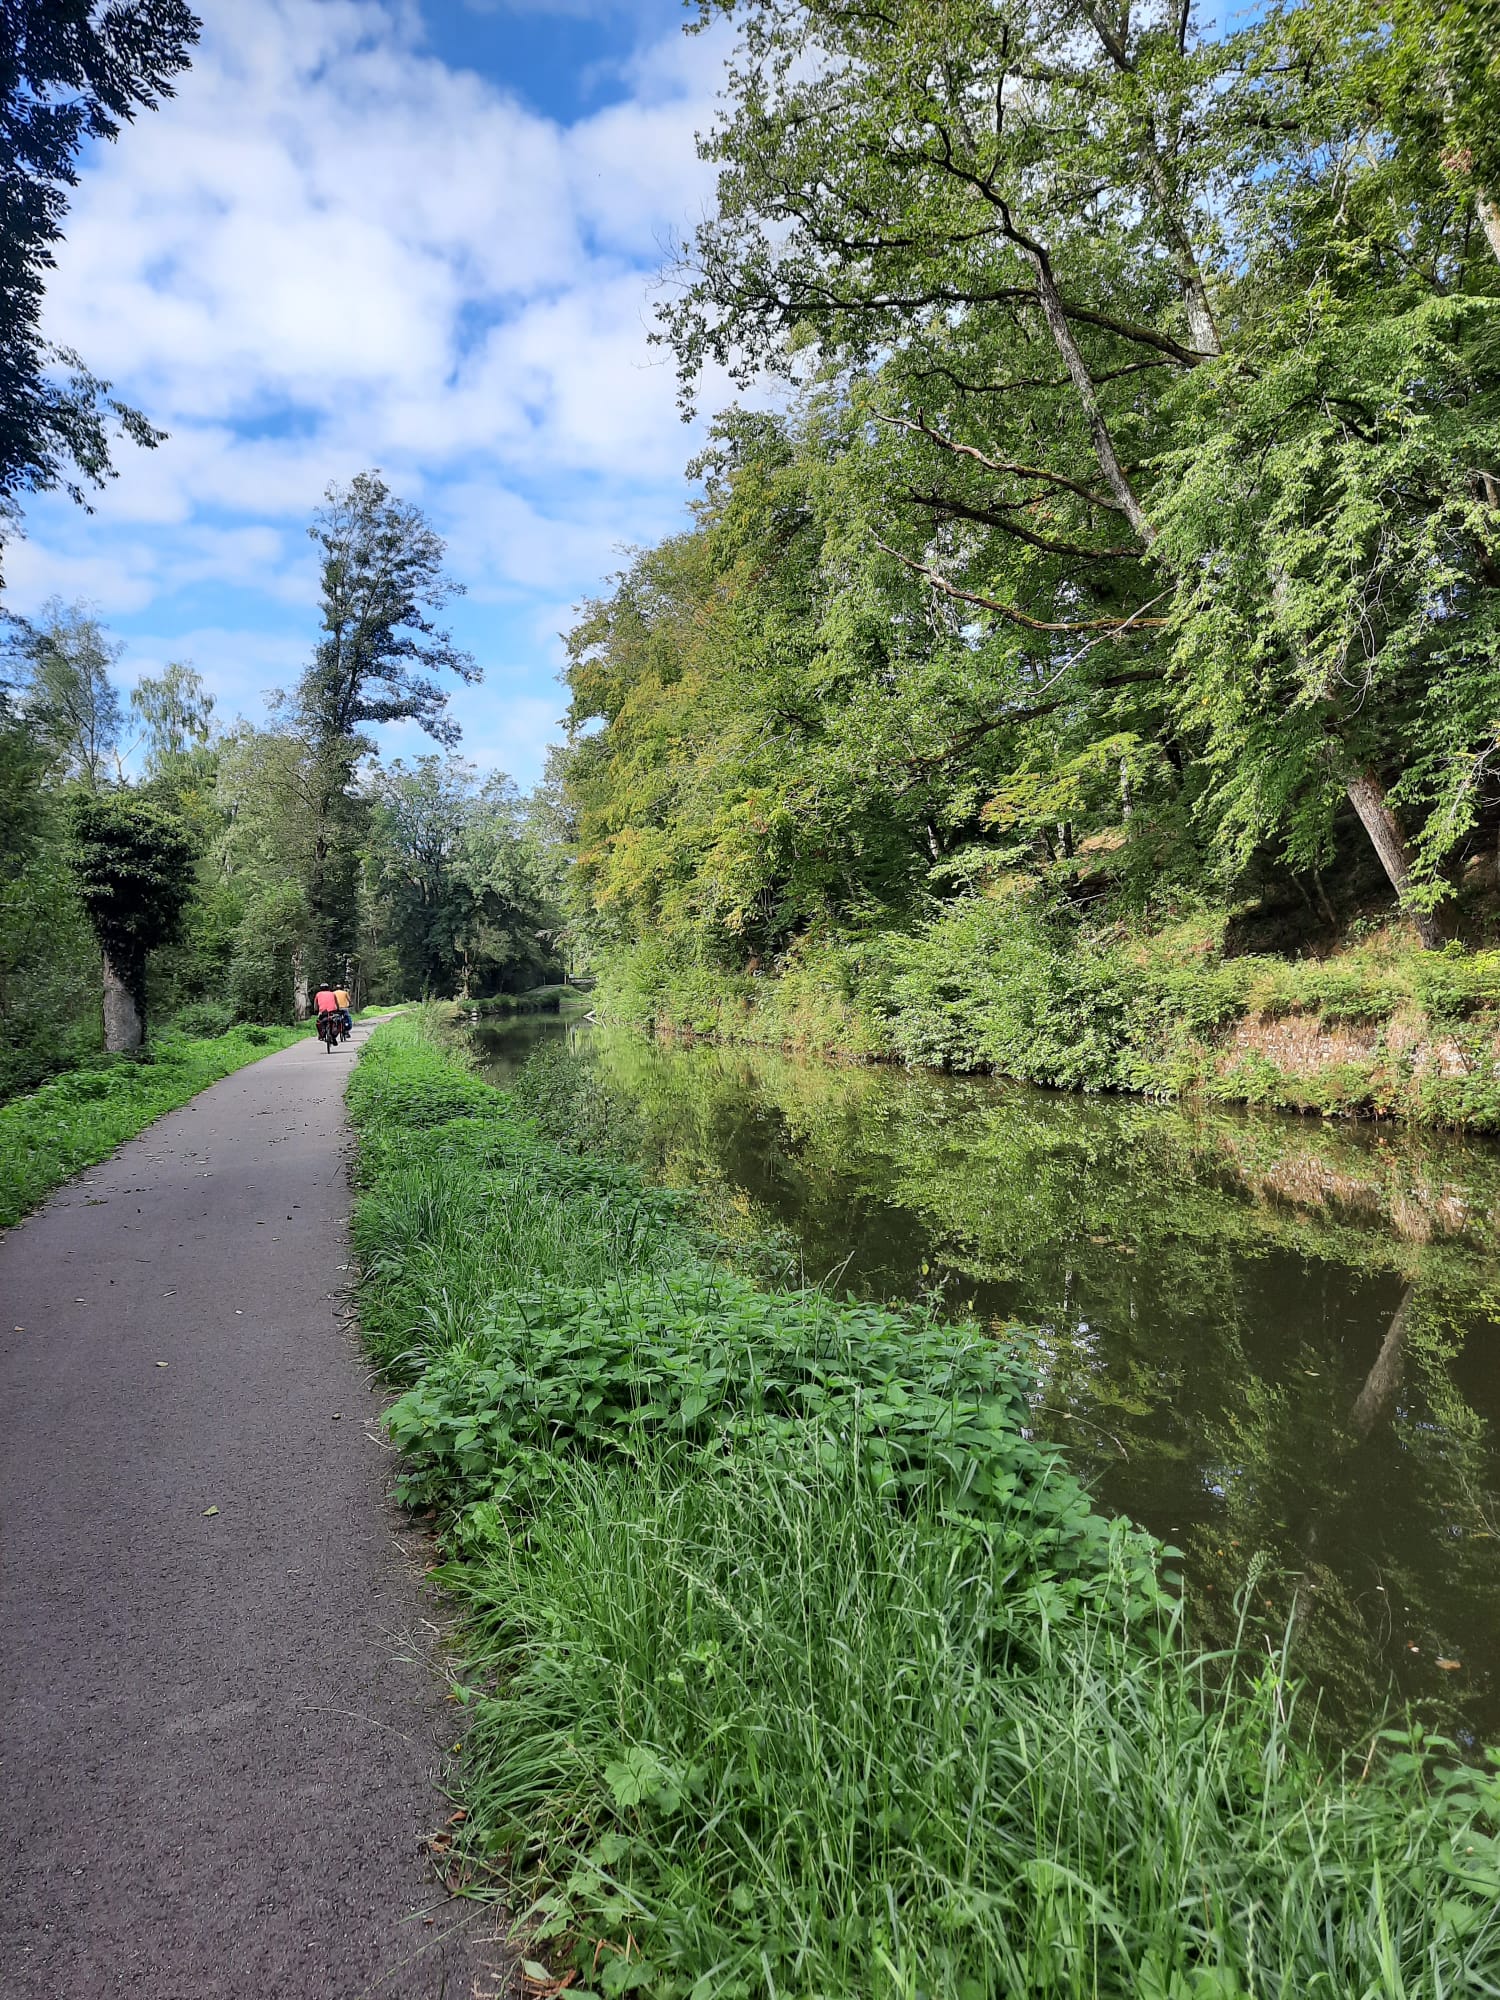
797, 1668
768, 1735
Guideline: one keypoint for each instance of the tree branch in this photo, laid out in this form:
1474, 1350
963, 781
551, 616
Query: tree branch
1135, 620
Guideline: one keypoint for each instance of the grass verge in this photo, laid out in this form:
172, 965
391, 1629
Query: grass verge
55, 1131
797, 1667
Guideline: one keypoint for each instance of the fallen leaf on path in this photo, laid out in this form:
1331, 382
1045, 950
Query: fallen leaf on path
161, 1364
209, 1510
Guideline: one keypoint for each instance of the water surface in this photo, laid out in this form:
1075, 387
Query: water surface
1273, 1341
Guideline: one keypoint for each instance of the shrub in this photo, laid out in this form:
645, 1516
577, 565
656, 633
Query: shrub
204, 1019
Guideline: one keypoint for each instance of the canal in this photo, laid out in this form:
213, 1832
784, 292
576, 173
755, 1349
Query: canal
1273, 1341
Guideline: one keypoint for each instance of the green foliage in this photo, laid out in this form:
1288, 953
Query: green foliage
465, 891
65, 1126
275, 928
1131, 541
204, 1020
68, 702
1011, 983
133, 864
795, 1664
72, 74
176, 710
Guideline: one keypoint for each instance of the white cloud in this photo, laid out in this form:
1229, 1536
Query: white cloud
331, 250
238, 667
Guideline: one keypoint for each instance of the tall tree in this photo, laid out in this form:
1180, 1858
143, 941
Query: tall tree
383, 583
1048, 244
70, 71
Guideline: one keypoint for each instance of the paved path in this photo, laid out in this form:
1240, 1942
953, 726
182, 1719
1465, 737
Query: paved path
219, 1739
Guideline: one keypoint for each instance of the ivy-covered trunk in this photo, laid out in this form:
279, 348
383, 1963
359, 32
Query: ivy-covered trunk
124, 1010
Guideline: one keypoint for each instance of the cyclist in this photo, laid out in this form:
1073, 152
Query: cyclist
326, 1006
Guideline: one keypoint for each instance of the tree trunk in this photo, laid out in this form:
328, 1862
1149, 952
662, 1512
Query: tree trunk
124, 1012
1367, 796
301, 1001
1083, 384
1489, 217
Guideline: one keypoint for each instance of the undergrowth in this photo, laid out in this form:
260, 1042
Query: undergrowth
1006, 985
795, 1666
52, 1133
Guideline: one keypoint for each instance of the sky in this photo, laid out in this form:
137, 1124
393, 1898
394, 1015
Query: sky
378, 233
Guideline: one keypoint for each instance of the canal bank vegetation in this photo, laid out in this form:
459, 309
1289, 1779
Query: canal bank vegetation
1090, 671
1009, 984
794, 1663
1262, 1336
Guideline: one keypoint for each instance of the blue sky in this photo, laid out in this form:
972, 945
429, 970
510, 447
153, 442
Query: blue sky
368, 232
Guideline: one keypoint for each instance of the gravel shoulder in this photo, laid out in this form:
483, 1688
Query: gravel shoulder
222, 1734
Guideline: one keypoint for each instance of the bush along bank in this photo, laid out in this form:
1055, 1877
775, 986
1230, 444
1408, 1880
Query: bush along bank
1002, 984
796, 1667
54, 1132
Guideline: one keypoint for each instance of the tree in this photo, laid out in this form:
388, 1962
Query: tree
68, 697
70, 71
1050, 252
176, 711
272, 797
382, 584
383, 580
466, 896
134, 867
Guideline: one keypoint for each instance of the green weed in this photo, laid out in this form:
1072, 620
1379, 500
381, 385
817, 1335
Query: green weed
797, 1667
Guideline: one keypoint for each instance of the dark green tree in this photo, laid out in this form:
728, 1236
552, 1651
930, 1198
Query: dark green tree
70, 71
134, 866
383, 584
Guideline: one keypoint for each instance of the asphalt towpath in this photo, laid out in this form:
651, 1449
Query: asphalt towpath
220, 1729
